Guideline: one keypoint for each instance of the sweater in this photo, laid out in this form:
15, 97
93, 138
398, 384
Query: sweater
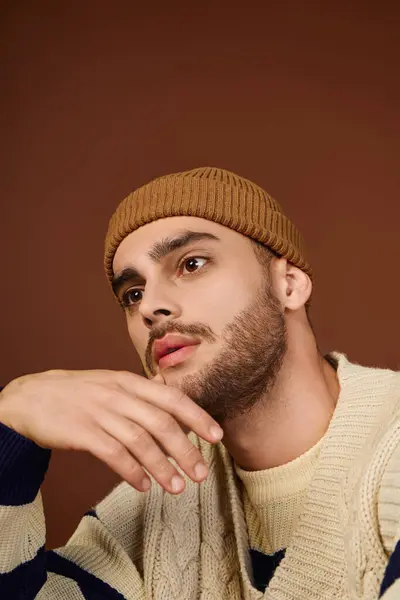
196, 545
273, 500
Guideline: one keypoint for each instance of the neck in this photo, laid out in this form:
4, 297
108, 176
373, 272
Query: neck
292, 417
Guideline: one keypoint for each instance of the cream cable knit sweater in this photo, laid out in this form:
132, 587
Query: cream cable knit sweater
195, 546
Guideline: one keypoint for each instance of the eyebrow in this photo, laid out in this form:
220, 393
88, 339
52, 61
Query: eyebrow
160, 250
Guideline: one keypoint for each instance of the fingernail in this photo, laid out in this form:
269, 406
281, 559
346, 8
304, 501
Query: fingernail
176, 483
216, 432
200, 470
146, 484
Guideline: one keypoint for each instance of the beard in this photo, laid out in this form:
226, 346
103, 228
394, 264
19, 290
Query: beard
246, 369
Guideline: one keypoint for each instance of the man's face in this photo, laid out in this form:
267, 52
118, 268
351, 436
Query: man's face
195, 278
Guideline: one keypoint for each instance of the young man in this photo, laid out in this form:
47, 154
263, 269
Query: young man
301, 497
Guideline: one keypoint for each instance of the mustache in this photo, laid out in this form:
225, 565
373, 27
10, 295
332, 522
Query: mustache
193, 329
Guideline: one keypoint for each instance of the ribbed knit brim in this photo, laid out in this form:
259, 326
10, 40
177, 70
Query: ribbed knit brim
213, 194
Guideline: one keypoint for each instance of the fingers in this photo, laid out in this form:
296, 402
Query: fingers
151, 435
144, 449
173, 401
146, 422
116, 456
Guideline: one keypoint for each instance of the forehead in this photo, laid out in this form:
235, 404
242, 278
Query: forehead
137, 243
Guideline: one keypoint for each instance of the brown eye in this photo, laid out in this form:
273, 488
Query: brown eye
132, 297
193, 263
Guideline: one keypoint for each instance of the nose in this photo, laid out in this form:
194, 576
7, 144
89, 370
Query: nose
158, 305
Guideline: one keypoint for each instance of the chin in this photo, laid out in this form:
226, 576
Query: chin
175, 375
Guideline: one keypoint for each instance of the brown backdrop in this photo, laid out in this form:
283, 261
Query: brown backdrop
99, 97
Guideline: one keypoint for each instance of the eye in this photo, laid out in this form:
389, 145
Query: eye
192, 264
131, 296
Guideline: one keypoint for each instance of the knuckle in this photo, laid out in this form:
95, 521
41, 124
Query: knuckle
113, 450
165, 424
134, 472
106, 394
140, 437
163, 469
126, 376
130, 470
190, 453
54, 374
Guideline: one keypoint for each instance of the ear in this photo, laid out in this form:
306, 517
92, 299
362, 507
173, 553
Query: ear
292, 286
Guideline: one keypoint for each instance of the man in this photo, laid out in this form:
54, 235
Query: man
301, 497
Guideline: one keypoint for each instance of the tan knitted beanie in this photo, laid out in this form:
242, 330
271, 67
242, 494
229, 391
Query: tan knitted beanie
213, 194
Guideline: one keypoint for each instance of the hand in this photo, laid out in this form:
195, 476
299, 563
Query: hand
127, 421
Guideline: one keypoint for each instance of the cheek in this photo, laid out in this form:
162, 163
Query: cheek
139, 336
219, 306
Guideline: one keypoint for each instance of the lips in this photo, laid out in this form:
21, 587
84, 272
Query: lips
170, 343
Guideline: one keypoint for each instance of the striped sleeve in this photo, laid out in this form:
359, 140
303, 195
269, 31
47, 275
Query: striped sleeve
93, 565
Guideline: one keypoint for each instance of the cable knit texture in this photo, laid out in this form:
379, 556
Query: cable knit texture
196, 545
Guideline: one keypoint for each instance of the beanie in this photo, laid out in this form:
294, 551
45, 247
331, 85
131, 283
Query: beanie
214, 194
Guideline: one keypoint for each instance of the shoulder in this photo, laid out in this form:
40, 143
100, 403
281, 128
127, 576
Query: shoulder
374, 391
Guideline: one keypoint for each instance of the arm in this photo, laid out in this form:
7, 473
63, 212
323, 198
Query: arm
134, 425
92, 564
22, 531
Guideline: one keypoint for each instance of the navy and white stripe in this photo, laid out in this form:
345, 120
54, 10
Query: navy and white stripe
392, 572
25, 581
92, 587
23, 465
